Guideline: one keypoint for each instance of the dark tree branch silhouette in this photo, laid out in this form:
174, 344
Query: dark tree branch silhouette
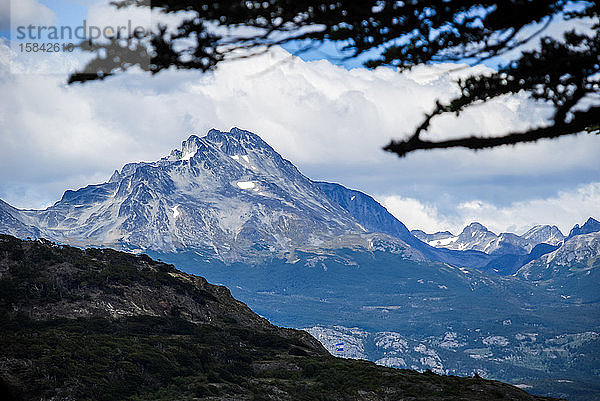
564, 73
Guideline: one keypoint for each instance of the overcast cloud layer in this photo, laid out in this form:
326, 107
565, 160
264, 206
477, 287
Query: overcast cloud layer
327, 120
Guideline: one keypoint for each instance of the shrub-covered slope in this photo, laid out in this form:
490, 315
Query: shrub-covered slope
98, 324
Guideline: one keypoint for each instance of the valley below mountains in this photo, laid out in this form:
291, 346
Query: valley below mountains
524, 309
98, 324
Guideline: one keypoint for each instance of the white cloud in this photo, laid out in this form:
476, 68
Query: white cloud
103, 14
415, 214
329, 121
563, 209
14, 13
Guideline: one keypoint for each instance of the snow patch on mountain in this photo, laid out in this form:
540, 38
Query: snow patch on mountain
443, 243
246, 185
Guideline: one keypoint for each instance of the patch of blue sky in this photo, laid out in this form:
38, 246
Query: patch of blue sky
334, 52
69, 14
340, 53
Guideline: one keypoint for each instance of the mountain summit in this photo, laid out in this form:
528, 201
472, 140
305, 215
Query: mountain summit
590, 226
227, 195
544, 234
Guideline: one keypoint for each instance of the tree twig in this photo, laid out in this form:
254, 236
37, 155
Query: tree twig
581, 122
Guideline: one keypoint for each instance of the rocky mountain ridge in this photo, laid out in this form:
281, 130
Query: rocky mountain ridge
227, 195
476, 236
572, 268
590, 226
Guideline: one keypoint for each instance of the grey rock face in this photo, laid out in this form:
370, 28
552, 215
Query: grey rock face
545, 234
578, 255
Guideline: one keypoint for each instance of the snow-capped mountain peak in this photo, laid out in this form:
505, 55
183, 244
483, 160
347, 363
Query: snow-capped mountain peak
189, 148
227, 195
476, 236
476, 230
440, 239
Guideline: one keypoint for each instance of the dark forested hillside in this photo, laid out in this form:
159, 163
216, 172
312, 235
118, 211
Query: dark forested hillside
98, 324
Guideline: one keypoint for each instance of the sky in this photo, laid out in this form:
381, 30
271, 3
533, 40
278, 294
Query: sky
331, 121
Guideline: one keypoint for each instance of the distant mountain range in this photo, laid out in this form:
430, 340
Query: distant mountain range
477, 237
231, 197
509, 252
320, 256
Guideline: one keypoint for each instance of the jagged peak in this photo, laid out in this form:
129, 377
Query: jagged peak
115, 176
236, 141
214, 145
475, 229
475, 226
542, 227
189, 147
128, 169
591, 225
